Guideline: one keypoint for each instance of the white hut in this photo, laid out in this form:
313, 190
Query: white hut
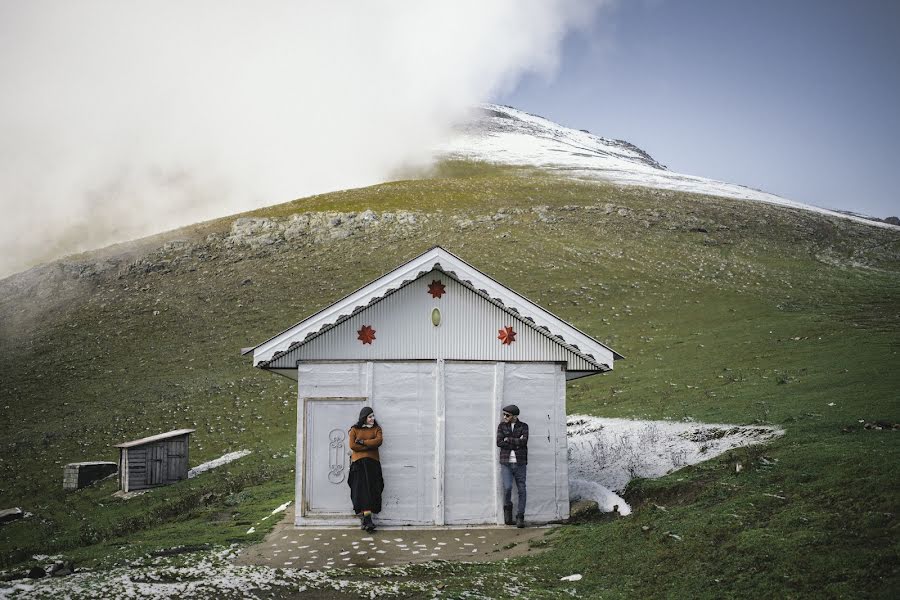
436, 348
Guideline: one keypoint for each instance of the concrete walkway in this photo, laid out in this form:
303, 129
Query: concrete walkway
291, 547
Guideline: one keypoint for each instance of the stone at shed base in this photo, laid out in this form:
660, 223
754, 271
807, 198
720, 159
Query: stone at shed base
61, 569
37, 573
11, 514
83, 474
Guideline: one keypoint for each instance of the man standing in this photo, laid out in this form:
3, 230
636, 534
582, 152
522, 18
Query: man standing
512, 439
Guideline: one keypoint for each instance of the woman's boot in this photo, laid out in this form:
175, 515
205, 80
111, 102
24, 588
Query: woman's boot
507, 514
368, 523
520, 521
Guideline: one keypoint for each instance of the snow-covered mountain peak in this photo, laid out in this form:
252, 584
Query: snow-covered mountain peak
505, 121
505, 135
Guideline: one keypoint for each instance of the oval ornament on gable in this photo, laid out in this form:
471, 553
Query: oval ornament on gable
435, 317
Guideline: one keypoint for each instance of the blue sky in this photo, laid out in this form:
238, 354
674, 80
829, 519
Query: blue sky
795, 97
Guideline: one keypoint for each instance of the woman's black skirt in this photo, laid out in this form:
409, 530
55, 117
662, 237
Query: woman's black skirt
366, 485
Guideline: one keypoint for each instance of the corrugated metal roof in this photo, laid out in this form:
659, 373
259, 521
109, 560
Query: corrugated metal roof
464, 340
576, 341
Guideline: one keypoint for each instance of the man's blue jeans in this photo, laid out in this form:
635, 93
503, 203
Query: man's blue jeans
517, 472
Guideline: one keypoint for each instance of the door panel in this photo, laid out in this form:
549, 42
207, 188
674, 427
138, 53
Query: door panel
532, 387
176, 460
328, 454
404, 401
156, 466
469, 466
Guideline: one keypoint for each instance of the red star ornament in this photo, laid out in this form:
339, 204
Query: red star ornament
507, 336
366, 334
436, 289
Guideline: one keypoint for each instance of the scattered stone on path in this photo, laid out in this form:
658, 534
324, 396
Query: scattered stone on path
417, 545
359, 549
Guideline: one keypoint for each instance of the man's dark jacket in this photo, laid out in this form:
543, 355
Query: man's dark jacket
505, 432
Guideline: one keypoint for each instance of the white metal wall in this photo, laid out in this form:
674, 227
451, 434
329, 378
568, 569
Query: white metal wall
439, 457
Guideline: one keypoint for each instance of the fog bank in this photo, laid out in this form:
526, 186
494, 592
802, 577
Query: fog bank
121, 119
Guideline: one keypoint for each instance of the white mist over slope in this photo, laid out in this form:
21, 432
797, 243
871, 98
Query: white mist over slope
120, 119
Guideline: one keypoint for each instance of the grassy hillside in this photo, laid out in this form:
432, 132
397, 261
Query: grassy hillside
727, 311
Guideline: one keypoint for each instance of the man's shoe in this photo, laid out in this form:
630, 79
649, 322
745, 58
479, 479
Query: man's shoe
520, 521
507, 515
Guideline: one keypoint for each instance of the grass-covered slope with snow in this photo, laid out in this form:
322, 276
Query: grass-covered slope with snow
727, 312
508, 136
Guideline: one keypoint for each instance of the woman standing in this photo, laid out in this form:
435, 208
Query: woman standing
365, 481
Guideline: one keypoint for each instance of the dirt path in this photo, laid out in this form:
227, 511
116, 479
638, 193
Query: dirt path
316, 548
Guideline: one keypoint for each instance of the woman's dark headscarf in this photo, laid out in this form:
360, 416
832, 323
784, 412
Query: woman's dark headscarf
363, 414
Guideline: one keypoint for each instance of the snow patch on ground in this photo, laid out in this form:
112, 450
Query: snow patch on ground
209, 574
607, 501
605, 454
222, 460
281, 508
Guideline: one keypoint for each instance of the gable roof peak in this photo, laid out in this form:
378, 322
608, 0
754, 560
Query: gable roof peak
436, 258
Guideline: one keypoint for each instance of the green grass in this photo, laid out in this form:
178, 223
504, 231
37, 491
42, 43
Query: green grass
768, 316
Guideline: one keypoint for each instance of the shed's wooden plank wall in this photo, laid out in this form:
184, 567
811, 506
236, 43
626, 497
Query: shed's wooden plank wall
156, 463
137, 468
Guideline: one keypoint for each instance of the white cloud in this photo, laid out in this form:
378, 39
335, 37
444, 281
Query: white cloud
123, 118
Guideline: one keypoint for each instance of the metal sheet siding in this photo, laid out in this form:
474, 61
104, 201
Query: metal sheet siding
439, 455
404, 331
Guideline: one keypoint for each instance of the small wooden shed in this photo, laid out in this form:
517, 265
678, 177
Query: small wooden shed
156, 460
436, 348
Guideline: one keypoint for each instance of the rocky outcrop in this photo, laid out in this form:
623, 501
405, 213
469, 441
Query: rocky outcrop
258, 232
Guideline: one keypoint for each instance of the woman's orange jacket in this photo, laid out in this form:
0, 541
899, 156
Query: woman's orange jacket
371, 436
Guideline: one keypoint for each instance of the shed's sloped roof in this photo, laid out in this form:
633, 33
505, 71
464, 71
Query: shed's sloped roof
270, 353
155, 438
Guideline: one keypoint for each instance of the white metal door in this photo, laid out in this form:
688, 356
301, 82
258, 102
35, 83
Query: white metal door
327, 461
469, 464
403, 397
533, 387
